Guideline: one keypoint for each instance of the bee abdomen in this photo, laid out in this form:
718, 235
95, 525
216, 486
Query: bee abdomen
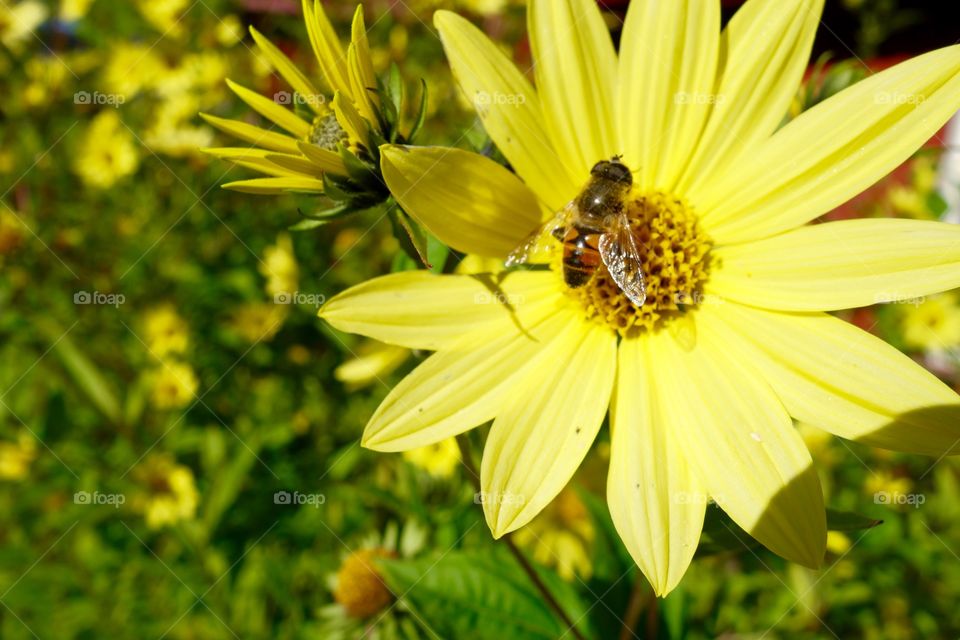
581, 256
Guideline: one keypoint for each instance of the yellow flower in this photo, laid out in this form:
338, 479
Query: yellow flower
16, 457
296, 162
19, 20
130, 69
108, 152
733, 340
360, 589
259, 321
165, 332
170, 495
933, 323
561, 536
164, 15
279, 267
439, 459
174, 385
73, 10
885, 483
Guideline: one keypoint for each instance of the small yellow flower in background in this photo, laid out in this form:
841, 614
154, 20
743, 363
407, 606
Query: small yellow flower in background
883, 483
259, 321
838, 543
360, 589
19, 21
12, 232
108, 152
373, 362
279, 267
169, 493
165, 332
734, 341
914, 198
933, 323
130, 69
297, 161
164, 15
47, 76
230, 31
16, 457
439, 459
73, 10
561, 536
174, 385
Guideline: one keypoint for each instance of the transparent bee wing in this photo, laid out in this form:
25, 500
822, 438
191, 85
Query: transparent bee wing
619, 253
543, 240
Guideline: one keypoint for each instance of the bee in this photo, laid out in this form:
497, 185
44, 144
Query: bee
593, 228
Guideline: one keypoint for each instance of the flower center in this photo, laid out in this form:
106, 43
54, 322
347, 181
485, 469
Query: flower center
326, 132
674, 254
360, 589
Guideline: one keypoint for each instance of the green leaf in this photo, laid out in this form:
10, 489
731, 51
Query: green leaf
437, 253
412, 239
480, 595
87, 376
307, 224
421, 112
360, 172
721, 534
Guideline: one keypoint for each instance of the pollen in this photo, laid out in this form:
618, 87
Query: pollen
360, 589
326, 132
674, 253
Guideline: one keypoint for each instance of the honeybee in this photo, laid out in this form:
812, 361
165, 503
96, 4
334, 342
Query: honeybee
593, 228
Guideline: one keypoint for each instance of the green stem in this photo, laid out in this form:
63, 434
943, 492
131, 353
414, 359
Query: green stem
521, 559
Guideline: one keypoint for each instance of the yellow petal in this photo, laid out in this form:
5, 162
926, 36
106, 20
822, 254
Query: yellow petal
253, 135
420, 310
326, 160
326, 46
840, 265
271, 110
360, 68
459, 388
468, 201
832, 375
295, 164
509, 108
835, 150
371, 364
741, 443
668, 67
349, 118
763, 52
270, 186
288, 70
576, 71
656, 501
547, 425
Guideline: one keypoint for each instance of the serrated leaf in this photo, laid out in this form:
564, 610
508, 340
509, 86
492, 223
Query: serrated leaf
412, 238
481, 595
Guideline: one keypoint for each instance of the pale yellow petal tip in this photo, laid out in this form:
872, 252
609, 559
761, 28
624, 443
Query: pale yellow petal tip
443, 16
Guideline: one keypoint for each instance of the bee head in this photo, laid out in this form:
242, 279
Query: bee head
613, 170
